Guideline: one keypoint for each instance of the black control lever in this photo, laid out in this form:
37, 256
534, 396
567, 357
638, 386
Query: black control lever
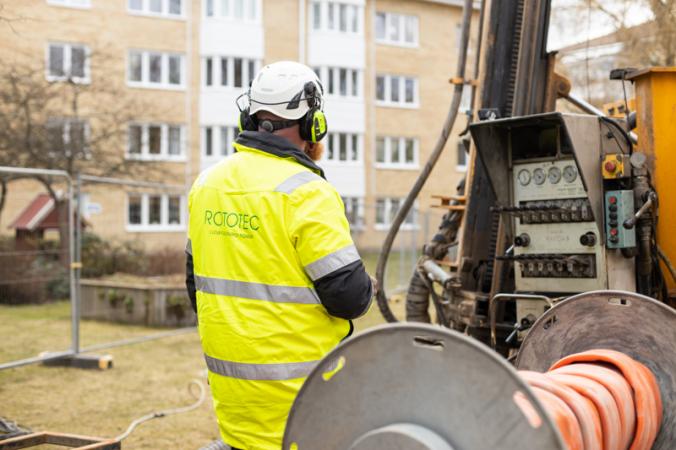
631, 222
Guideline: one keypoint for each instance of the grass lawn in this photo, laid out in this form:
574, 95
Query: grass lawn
146, 377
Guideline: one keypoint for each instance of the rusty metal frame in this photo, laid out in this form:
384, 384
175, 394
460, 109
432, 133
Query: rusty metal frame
66, 440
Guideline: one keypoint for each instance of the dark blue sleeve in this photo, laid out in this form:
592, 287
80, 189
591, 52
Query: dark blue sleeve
346, 292
190, 281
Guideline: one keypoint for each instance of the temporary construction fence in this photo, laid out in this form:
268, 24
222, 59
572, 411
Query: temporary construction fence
71, 254
401, 265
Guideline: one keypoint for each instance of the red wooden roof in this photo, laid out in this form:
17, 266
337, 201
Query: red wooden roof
39, 214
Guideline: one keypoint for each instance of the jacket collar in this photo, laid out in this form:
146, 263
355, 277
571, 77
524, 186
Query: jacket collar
278, 146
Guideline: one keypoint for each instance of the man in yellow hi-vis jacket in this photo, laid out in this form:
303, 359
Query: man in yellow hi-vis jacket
271, 266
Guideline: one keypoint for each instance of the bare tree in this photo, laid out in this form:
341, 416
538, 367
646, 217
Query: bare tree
67, 123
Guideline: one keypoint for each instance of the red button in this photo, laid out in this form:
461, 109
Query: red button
612, 199
613, 231
610, 166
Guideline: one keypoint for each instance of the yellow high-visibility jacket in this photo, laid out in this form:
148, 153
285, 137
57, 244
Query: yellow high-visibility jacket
264, 228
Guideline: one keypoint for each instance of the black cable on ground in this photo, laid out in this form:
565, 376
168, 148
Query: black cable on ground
381, 297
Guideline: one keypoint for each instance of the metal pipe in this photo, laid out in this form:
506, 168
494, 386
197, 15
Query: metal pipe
35, 360
591, 109
435, 272
131, 183
138, 340
501, 297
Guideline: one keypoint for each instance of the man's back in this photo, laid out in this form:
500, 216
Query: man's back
264, 228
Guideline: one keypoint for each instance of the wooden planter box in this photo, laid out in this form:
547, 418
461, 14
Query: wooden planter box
152, 302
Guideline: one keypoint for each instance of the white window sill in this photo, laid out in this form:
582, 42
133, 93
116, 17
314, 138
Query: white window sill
386, 166
240, 20
338, 163
153, 15
159, 158
346, 98
89, 6
59, 79
389, 43
461, 168
404, 226
155, 228
156, 86
216, 88
337, 33
360, 227
385, 104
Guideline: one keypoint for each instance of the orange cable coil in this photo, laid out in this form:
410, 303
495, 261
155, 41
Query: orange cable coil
600, 399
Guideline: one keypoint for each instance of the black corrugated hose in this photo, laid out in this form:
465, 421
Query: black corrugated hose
381, 297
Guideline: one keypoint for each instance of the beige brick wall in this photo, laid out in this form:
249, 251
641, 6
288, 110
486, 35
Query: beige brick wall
280, 22
110, 31
433, 63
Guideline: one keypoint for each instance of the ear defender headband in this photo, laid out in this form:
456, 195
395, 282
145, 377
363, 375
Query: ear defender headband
312, 126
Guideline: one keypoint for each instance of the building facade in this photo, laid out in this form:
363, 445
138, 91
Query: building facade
384, 64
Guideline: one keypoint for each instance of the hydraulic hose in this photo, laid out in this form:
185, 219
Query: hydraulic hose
600, 399
381, 296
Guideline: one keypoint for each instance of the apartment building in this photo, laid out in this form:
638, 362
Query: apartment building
384, 64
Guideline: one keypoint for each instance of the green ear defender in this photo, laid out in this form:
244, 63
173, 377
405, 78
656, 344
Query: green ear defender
313, 125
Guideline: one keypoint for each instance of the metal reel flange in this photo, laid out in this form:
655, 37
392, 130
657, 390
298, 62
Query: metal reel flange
417, 387
639, 326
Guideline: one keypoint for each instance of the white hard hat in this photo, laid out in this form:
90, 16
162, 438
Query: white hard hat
283, 89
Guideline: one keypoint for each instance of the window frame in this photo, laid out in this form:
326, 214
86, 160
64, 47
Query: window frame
460, 150
332, 145
402, 103
402, 164
354, 15
248, 7
388, 212
401, 19
67, 63
330, 78
164, 154
165, 14
217, 142
65, 124
145, 82
353, 201
217, 72
164, 225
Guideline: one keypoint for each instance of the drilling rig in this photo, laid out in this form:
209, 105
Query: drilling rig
556, 249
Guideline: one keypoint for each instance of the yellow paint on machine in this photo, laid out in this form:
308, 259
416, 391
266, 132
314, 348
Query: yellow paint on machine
656, 129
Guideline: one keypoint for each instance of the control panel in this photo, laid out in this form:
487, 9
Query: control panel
557, 244
619, 206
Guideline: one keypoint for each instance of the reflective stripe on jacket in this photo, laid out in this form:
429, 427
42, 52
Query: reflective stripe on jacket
262, 229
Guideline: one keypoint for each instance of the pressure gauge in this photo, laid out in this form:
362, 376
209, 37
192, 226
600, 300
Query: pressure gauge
539, 176
524, 177
569, 174
554, 175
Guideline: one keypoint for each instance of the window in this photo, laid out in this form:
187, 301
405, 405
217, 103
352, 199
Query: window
343, 147
67, 138
154, 142
462, 157
397, 29
68, 62
336, 16
354, 211
229, 72
217, 141
247, 10
340, 81
395, 90
396, 152
155, 212
164, 8
386, 211
155, 69
71, 3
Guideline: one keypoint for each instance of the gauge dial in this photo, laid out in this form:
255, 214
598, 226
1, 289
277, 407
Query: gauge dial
524, 177
554, 175
539, 176
569, 174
